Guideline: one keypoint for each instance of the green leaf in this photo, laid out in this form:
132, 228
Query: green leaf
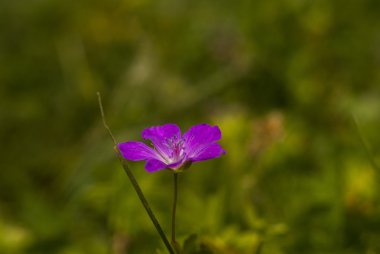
190, 244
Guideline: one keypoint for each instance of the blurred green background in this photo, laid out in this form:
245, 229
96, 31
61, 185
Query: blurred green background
293, 84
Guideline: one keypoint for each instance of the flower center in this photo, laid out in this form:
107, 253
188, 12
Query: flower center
177, 148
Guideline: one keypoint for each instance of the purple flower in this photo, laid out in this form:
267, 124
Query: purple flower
173, 150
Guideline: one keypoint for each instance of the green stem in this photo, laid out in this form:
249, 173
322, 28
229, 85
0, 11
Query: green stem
175, 191
175, 244
145, 204
135, 184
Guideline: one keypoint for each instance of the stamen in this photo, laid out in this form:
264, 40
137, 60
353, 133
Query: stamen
176, 146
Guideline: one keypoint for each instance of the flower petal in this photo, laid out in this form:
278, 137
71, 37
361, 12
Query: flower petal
137, 151
153, 165
208, 152
160, 135
199, 136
